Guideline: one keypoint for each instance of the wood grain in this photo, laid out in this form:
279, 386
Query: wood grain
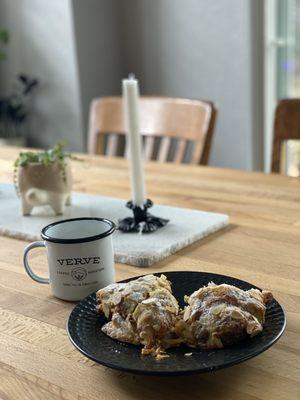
261, 246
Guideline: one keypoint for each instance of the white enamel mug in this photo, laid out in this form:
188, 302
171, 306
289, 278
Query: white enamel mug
80, 256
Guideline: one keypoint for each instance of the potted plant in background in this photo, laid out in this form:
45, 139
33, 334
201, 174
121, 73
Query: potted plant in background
14, 109
4, 38
44, 178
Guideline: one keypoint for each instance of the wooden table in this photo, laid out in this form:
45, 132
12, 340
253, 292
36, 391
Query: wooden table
262, 245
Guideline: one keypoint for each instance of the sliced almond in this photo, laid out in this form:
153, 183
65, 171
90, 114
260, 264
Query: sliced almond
235, 314
214, 341
187, 314
218, 309
116, 298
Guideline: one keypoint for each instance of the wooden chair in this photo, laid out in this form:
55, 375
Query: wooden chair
168, 126
286, 126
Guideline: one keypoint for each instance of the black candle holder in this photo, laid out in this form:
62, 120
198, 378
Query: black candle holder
142, 221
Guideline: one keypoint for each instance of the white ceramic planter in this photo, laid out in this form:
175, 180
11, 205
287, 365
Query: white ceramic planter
45, 185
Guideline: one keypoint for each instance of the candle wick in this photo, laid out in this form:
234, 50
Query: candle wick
131, 76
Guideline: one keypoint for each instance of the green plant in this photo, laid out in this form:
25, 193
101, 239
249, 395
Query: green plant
4, 38
57, 155
14, 108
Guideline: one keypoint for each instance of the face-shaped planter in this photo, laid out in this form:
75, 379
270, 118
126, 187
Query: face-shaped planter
45, 185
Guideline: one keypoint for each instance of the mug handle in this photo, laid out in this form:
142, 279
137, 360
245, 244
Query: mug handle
27, 266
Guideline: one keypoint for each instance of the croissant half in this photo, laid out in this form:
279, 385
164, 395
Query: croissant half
143, 311
221, 315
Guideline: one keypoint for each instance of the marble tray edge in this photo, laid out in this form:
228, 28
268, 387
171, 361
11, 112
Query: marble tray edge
10, 233
140, 261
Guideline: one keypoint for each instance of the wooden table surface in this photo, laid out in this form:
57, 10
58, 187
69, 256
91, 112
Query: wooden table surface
261, 245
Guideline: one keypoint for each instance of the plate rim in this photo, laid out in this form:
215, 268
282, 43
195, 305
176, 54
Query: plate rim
166, 373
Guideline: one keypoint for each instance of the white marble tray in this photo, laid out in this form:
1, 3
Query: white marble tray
185, 226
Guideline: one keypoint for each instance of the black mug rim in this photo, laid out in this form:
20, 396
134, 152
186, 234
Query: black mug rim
112, 228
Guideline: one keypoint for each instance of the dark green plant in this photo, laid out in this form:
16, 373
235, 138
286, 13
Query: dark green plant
14, 108
57, 155
4, 38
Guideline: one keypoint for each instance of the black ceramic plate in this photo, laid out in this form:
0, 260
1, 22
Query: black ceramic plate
84, 329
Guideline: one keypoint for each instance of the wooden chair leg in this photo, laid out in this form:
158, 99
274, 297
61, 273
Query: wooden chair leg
276, 156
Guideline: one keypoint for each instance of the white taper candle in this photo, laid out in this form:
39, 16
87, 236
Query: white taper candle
132, 123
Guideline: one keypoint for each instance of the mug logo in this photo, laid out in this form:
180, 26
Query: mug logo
78, 273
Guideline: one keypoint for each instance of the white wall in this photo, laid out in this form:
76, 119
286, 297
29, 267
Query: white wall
42, 45
99, 57
202, 49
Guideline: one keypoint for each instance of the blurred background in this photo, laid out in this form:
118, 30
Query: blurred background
244, 55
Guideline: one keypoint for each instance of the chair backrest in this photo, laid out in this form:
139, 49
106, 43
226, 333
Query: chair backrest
286, 127
167, 124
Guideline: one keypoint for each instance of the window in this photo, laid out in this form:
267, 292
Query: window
282, 73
